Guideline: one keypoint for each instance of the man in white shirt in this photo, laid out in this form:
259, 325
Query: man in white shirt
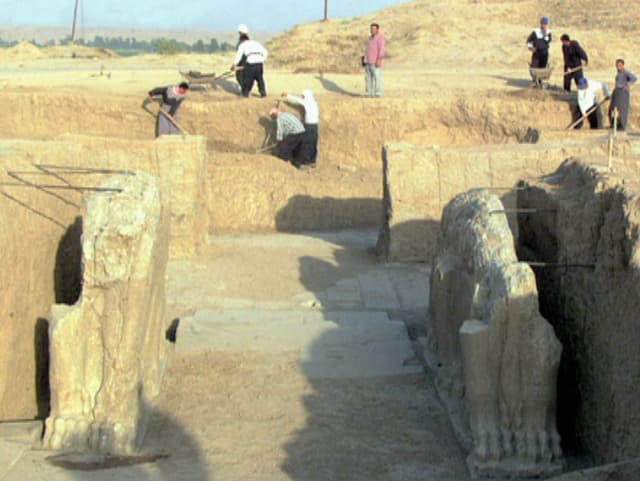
311, 118
253, 54
588, 92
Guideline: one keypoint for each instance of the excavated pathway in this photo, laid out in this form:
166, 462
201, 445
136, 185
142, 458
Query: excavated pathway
293, 362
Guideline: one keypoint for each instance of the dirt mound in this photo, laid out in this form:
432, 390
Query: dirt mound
458, 34
28, 51
58, 51
22, 51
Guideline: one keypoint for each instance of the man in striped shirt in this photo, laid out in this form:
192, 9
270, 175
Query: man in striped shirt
292, 138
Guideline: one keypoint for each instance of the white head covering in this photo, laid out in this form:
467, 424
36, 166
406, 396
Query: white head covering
242, 28
307, 94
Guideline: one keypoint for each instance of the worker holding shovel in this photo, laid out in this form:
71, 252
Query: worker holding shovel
589, 105
172, 97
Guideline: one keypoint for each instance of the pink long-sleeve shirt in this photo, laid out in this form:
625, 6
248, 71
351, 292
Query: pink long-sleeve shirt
376, 50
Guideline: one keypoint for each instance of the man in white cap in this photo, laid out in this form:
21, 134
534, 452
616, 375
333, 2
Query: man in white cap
588, 91
311, 119
251, 54
242, 30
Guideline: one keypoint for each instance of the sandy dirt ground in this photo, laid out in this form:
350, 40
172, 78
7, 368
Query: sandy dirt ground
254, 415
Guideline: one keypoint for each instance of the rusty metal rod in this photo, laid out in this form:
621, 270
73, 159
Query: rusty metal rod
558, 264
521, 211
60, 187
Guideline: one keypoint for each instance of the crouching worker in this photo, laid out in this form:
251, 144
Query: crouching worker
588, 102
311, 118
293, 142
172, 98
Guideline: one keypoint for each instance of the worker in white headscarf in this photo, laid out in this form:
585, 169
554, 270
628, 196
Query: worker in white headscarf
311, 118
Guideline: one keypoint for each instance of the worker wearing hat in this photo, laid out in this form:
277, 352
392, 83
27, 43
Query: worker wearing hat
588, 101
538, 43
250, 58
242, 30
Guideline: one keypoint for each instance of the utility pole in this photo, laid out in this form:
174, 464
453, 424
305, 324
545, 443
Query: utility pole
326, 9
75, 19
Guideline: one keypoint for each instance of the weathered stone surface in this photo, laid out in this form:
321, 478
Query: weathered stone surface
495, 357
419, 181
40, 238
591, 225
108, 351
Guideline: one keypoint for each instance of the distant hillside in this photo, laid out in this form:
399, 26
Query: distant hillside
458, 34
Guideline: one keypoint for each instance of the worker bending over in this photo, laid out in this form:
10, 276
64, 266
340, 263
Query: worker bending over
588, 101
294, 143
311, 119
172, 97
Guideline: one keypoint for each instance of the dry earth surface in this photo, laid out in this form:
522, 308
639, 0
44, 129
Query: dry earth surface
254, 415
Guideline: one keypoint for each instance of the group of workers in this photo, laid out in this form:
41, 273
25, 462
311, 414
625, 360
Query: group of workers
297, 141
591, 93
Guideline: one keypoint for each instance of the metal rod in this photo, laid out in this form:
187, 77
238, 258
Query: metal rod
60, 187
36, 186
558, 264
83, 170
521, 211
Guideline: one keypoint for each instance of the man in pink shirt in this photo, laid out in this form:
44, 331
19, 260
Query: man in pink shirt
373, 60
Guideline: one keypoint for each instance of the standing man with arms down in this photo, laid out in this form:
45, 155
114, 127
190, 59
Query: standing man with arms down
374, 60
538, 43
254, 55
172, 98
621, 98
573, 55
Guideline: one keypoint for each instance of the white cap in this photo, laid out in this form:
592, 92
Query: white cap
242, 28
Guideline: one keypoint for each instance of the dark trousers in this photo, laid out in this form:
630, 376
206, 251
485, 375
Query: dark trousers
297, 149
253, 72
620, 99
539, 59
593, 118
291, 147
575, 76
312, 141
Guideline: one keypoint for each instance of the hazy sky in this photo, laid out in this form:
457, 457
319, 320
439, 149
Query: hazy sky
215, 15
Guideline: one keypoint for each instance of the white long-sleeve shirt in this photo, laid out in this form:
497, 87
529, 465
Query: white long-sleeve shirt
588, 97
252, 50
311, 108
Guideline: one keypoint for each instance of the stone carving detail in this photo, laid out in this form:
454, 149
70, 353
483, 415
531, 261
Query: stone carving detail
108, 351
495, 357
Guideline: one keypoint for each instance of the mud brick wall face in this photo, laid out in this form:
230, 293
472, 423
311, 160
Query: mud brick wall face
593, 306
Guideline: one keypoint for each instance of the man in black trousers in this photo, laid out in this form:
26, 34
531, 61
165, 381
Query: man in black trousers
573, 55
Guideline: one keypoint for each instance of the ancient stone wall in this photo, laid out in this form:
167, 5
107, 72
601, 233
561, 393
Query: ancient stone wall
419, 181
495, 358
108, 351
587, 228
41, 231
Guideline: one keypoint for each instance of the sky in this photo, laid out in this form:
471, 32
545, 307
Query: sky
202, 15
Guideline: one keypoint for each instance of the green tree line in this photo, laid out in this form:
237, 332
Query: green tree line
131, 46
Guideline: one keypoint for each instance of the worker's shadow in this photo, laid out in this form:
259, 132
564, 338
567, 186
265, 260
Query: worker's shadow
331, 86
515, 82
230, 86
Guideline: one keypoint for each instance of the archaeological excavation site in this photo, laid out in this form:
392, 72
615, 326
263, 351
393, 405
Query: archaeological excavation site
452, 293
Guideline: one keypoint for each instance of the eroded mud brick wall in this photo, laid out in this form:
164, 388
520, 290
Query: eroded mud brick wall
420, 181
593, 224
41, 233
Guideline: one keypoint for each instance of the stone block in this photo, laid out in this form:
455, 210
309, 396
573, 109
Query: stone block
108, 352
494, 356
